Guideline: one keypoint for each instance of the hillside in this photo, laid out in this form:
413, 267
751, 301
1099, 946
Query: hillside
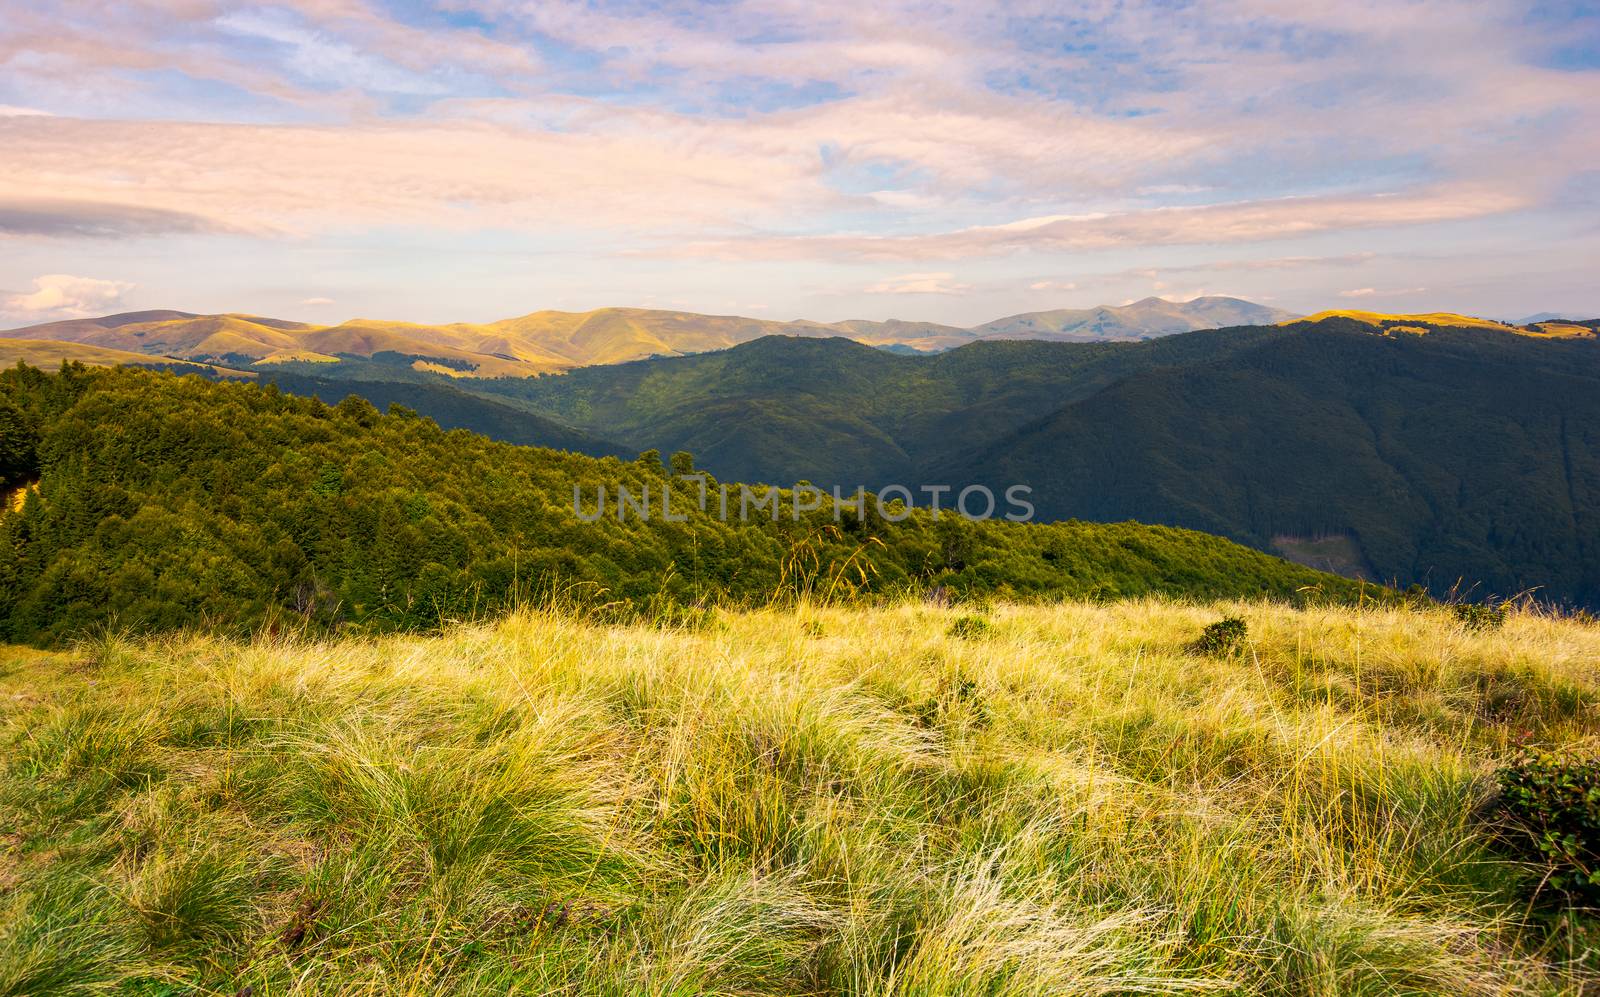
1461, 454
1421, 325
51, 353
548, 341
834, 412
452, 408
384, 381
804, 801
160, 500
828, 410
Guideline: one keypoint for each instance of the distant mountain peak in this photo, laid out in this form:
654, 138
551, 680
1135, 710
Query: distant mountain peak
1146, 318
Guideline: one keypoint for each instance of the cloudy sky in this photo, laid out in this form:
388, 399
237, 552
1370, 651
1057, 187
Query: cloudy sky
958, 161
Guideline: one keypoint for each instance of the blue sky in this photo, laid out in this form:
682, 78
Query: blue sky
327, 159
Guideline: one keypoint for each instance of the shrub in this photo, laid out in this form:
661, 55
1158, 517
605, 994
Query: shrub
1549, 807
1222, 637
1478, 617
969, 628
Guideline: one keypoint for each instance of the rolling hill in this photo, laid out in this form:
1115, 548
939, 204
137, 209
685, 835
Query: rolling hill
549, 341
1467, 453
831, 411
54, 352
452, 408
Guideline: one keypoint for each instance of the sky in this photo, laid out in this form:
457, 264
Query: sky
955, 162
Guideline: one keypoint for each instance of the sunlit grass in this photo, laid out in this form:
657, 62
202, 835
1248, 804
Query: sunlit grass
1063, 800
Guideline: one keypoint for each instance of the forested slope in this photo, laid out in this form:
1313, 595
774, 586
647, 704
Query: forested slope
1432, 452
154, 501
1456, 456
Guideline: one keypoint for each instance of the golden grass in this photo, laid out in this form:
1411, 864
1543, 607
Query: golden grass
792, 801
1429, 318
48, 354
1410, 324
1559, 330
302, 356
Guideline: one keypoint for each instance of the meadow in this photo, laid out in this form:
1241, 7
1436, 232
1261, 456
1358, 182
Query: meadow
905, 799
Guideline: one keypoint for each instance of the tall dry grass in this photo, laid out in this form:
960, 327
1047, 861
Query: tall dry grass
796, 801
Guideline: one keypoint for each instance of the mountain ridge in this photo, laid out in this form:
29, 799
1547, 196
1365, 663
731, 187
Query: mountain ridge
551, 341
1143, 319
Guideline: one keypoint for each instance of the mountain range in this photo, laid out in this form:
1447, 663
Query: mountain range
1443, 450
1440, 449
550, 341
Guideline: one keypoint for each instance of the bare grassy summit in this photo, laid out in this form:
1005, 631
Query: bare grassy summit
1066, 800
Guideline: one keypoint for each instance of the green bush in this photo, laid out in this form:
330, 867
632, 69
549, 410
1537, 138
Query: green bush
1549, 809
1222, 637
1478, 617
969, 628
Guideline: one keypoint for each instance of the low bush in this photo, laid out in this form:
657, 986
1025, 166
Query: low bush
1222, 637
1549, 809
1478, 617
969, 628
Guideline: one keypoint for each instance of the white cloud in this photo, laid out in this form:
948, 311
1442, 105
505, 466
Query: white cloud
1275, 263
919, 283
1052, 285
63, 296
316, 56
1367, 292
317, 301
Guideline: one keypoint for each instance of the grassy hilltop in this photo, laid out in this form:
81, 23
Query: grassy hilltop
1054, 800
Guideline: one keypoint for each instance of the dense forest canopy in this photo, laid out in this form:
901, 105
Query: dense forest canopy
155, 501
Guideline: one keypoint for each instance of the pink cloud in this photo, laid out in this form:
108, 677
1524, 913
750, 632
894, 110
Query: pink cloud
1249, 221
981, 169
919, 283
